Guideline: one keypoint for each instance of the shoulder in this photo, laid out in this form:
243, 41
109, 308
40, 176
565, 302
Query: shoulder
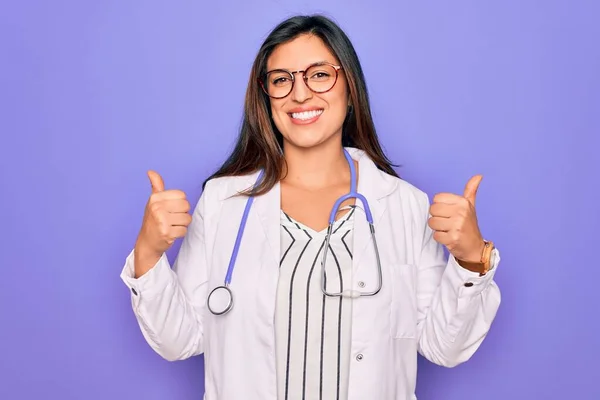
217, 189
379, 184
409, 196
407, 189
209, 206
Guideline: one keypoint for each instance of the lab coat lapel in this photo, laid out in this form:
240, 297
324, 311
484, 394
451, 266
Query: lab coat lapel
267, 212
374, 189
267, 208
262, 229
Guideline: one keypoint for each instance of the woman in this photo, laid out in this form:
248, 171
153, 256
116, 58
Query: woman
350, 327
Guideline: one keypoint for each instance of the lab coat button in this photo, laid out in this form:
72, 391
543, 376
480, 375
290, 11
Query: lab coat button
361, 284
468, 284
134, 291
359, 357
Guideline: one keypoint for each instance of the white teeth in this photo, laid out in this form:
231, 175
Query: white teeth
307, 114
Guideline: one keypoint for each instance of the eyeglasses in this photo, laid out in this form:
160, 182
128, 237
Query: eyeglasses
319, 78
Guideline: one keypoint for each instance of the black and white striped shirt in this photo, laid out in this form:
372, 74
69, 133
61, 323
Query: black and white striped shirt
313, 331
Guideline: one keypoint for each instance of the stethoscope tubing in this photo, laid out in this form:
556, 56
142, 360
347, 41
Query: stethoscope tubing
226, 291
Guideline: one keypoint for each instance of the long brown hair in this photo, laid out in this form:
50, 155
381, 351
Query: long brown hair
259, 142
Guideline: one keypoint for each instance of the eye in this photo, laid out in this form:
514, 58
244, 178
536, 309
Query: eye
280, 80
320, 75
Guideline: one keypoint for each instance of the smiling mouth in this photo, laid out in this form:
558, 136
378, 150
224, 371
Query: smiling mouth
306, 115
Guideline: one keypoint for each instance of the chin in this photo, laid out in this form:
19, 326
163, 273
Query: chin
307, 139
304, 142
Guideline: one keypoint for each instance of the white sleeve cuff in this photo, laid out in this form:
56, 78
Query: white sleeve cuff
469, 282
152, 282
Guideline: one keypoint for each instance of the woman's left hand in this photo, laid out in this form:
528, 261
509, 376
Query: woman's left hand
454, 222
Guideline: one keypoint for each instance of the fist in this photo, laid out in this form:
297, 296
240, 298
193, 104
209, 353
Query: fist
166, 217
454, 222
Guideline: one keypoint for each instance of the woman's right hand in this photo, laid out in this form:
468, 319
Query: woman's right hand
166, 218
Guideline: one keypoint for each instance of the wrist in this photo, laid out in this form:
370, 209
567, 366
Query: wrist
144, 259
476, 255
482, 262
145, 250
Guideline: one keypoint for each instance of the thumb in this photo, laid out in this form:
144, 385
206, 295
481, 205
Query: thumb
471, 188
156, 181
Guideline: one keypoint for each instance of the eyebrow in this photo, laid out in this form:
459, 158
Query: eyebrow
306, 66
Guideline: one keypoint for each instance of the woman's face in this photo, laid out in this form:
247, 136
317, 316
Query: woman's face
305, 118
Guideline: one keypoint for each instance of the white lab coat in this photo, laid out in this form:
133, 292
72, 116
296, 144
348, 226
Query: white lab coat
424, 305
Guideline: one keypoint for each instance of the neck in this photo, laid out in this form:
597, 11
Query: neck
316, 167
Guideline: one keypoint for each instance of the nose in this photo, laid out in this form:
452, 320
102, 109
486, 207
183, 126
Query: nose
300, 92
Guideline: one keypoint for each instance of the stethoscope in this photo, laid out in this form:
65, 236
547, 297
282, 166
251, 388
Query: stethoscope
220, 299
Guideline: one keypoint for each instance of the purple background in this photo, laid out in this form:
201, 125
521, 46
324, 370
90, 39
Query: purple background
94, 93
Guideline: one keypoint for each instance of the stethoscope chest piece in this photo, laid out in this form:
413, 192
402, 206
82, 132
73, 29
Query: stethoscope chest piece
220, 300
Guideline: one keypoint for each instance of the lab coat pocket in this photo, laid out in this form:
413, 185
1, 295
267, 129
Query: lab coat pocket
403, 318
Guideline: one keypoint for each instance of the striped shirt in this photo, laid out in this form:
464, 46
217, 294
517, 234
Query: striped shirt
312, 330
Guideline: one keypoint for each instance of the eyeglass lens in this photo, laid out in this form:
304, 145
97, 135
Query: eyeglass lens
319, 78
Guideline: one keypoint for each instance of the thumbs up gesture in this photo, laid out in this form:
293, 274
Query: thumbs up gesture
454, 222
166, 218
